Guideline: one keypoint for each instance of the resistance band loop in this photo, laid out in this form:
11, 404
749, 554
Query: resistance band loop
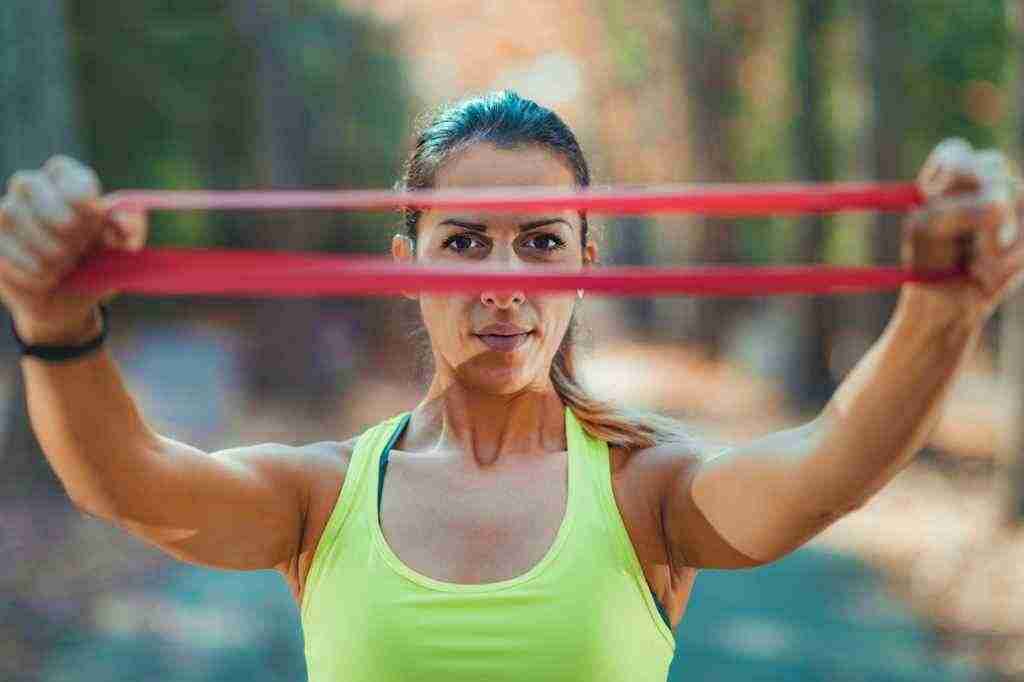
287, 274
711, 199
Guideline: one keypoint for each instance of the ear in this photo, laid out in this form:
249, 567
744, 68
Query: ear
403, 251
591, 254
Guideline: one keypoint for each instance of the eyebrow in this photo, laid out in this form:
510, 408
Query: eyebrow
480, 227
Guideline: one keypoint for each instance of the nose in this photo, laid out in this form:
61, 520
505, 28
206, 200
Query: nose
504, 259
502, 299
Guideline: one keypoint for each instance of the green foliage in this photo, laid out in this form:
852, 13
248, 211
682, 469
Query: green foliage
955, 75
629, 46
172, 98
158, 88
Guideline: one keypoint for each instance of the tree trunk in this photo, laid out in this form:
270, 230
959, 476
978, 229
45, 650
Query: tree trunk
810, 380
1012, 342
712, 60
884, 52
282, 359
37, 120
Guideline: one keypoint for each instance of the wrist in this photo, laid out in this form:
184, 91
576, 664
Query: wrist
930, 315
66, 333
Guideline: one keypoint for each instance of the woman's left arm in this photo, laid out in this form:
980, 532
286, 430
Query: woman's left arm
764, 499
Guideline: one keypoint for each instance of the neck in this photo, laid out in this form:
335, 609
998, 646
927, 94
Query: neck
484, 428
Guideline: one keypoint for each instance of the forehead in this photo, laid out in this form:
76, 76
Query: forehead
484, 165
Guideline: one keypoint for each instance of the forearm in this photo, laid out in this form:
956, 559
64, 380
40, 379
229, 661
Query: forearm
886, 409
89, 427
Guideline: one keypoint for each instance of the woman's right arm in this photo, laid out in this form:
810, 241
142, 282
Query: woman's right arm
243, 508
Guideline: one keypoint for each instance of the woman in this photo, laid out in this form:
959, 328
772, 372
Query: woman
510, 526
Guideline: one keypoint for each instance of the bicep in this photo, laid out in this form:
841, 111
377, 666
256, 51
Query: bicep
242, 508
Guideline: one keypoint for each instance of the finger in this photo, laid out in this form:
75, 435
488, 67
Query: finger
991, 164
1000, 184
988, 255
76, 182
985, 276
1011, 237
921, 249
130, 230
80, 187
23, 265
22, 223
26, 284
1012, 274
1010, 229
35, 190
948, 169
949, 218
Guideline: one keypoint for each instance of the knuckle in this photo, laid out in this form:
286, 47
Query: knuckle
7, 214
52, 259
19, 181
74, 180
953, 150
20, 277
59, 163
16, 216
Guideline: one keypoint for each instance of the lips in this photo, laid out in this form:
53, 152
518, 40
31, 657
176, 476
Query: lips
503, 336
503, 343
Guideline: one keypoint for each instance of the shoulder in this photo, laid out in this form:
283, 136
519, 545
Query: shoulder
325, 466
648, 476
656, 468
327, 463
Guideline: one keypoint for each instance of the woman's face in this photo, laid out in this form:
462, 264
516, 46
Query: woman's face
498, 341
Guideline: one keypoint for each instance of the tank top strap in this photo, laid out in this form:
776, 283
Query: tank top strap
594, 457
403, 421
367, 447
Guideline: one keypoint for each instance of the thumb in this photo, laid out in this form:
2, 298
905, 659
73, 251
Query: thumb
126, 231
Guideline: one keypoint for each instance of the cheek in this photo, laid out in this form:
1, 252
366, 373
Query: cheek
557, 314
445, 318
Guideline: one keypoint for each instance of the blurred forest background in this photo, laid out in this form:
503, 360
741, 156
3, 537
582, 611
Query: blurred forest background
321, 93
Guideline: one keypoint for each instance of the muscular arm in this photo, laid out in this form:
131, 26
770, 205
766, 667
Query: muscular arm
242, 508
764, 499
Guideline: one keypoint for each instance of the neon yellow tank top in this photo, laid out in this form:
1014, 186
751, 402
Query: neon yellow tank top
583, 612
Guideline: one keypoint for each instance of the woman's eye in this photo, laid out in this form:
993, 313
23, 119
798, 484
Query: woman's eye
545, 242
458, 242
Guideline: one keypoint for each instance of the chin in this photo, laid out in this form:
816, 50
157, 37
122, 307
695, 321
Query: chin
495, 380
500, 383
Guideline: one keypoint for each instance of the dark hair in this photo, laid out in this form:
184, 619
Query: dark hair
508, 121
503, 119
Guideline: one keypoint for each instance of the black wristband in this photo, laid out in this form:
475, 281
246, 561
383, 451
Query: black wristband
52, 353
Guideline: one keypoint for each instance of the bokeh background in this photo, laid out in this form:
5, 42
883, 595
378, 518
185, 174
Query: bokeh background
926, 582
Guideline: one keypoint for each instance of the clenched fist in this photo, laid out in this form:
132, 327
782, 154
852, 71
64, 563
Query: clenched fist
49, 221
971, 220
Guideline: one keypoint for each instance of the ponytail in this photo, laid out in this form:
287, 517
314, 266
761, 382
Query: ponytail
625, 428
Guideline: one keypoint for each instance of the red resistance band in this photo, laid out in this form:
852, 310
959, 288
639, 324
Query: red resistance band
283, 274
709, 199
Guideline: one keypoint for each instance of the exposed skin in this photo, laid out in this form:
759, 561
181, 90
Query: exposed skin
490, 412
486, 404
795, 483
